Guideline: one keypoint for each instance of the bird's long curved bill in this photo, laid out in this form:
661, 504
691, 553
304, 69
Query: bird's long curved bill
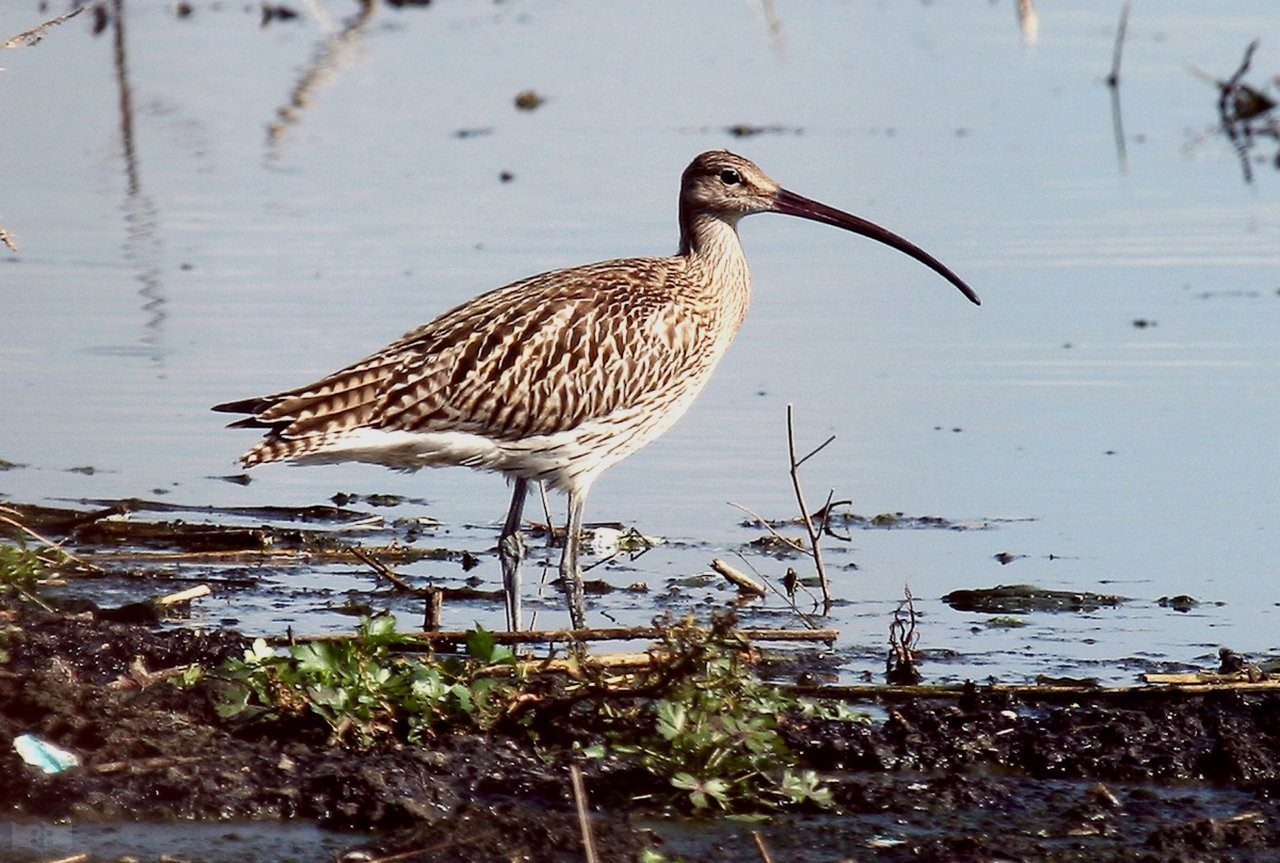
791, 204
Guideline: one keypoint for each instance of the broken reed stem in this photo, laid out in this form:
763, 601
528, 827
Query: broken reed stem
761, 847
815, 548
584, 820
182, 596
741, 580
384, 571
434, 610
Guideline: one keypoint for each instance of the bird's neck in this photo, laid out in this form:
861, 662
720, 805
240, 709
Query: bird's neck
712, 249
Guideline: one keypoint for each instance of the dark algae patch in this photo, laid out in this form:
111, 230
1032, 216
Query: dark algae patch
1153, 776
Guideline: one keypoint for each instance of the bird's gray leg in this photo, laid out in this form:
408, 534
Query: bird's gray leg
511, 552
570, 571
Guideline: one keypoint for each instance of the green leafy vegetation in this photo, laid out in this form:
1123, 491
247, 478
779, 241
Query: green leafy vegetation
21, 566
698, 720
713, 730
360, 685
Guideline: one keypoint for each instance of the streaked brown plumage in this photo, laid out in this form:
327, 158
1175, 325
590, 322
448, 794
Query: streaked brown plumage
556, 377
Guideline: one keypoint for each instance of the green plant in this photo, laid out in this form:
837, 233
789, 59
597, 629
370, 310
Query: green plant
359, 684
20, 566
714, 731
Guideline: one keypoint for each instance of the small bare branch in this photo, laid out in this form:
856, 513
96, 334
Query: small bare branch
385, 572
900, 664
819, 448
794, 544
765, 856
584, 819
815, 548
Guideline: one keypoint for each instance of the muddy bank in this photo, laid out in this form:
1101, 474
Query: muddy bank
982, 777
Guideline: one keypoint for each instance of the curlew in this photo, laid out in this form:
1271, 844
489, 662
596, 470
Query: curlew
557, 377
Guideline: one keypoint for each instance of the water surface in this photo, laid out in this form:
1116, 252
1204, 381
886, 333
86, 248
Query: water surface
207, 209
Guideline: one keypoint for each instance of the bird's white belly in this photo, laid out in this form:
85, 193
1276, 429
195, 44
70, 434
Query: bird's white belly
568, 460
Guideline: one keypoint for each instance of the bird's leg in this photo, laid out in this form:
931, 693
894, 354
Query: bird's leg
511, 552
570, 571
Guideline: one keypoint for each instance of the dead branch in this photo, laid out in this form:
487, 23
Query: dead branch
900, 664
182, 596
765, 856
384, 571
815, 548
743, 582
584, 820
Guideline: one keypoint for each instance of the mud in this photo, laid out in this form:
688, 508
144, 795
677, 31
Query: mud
1158, 777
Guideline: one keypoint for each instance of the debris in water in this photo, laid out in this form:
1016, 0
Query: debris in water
529, 100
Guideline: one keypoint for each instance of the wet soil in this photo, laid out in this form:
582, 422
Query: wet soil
987, 776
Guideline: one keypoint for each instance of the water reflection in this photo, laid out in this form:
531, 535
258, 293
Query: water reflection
141, 219
330, 55
1246, 115
1113, 84
1028, 21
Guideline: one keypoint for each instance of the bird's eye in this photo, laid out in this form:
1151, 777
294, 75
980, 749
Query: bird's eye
730, 177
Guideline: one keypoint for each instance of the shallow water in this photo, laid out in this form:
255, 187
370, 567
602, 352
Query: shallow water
216, 842
1108, 415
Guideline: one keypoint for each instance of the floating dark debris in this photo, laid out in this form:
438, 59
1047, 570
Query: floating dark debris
1025, 598
529, 100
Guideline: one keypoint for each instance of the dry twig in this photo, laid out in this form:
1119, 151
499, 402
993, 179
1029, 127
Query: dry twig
815, 549
900, 664
761, 847
741, 580
584, 820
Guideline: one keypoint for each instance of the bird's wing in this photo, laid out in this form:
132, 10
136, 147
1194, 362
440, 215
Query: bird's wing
536, 357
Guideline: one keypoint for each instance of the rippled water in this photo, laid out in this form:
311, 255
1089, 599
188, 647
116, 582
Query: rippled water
207, 208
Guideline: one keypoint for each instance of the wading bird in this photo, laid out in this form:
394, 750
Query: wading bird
557, 377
